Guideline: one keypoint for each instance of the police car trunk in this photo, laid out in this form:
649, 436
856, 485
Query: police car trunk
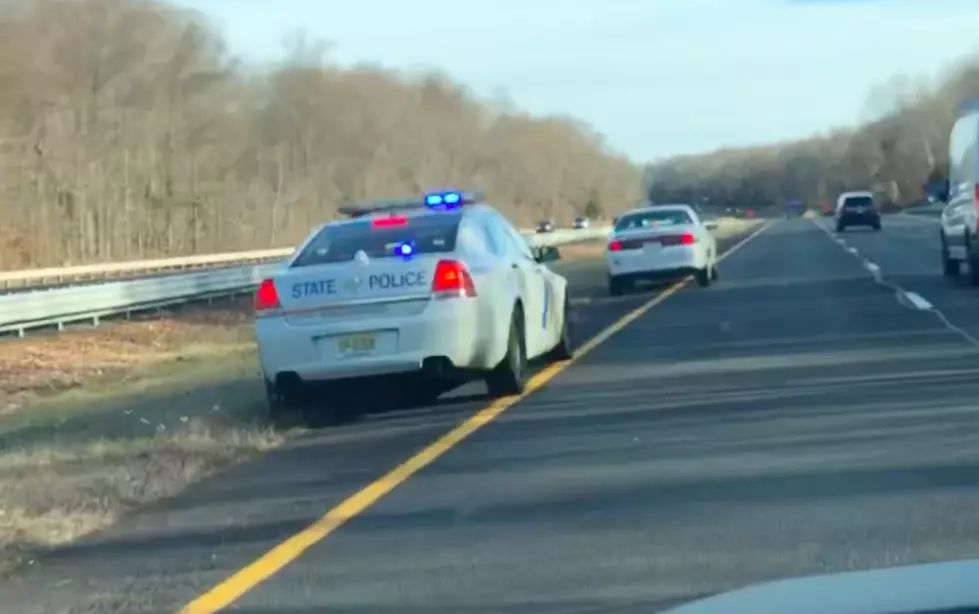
370, 296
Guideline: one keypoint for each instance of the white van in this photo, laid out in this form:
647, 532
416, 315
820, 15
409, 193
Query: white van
960, 218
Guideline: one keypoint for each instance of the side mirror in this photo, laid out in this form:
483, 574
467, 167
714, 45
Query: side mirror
546, 253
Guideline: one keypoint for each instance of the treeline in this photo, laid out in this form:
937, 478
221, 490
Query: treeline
127, 131
893, 155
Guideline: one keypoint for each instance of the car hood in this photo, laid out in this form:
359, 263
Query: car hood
931, 588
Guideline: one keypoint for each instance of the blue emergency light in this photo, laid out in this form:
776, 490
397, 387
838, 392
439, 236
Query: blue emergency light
405, 250
449, 200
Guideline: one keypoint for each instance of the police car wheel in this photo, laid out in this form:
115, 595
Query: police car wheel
565, 345
331, 405
421, 392
703, 276
950, 266
618, 286
972, 258
282, 408
509, 377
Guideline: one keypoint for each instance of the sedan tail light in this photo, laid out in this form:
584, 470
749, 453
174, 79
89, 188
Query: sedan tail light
683, 239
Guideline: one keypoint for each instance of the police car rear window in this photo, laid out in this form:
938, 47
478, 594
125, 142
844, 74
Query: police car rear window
857, 201
427, 234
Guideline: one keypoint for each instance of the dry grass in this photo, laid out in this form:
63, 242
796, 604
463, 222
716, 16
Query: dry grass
53, 494
730, 226
119, 351
96, 423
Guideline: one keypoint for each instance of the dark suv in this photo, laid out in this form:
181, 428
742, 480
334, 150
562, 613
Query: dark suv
545, 226
857, 209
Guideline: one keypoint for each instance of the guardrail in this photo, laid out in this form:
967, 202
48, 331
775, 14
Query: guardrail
52, 277
97, 273
56, 307
924, 211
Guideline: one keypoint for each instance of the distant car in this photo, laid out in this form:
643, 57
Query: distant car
408, 299
857, 209
545, 226
660, 242
580, 223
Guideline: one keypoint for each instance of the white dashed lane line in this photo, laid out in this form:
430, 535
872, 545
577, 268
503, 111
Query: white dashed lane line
912, 300
917, 301
873, 268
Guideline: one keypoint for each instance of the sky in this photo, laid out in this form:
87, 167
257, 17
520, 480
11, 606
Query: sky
657, 77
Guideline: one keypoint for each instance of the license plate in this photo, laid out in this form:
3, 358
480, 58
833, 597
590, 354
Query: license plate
652, 246
356, 344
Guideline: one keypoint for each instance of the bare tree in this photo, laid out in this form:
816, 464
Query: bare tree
133, 134
905, 144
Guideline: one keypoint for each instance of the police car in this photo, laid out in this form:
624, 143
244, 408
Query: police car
405, 301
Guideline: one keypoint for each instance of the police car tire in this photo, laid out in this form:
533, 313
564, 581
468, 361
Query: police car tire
616, 286
510, 376
281, 407
565, 345
972, 259
950, 266
422, 393
331, 406
703, 276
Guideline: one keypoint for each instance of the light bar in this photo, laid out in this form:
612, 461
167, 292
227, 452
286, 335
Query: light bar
451, 199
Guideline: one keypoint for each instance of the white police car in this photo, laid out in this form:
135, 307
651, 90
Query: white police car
404, 302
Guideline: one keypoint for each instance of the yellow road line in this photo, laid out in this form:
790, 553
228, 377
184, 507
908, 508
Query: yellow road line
256, 572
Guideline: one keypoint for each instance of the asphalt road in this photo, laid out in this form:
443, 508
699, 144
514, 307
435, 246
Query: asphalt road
804, 415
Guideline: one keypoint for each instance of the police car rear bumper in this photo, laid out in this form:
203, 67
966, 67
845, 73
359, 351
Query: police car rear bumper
444, 329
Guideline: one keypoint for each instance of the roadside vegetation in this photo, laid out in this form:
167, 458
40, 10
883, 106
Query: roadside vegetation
893, 155
154, 406
133, 134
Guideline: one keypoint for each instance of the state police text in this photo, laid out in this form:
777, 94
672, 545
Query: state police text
376, 281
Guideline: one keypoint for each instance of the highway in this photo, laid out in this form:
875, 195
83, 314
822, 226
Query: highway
806, 414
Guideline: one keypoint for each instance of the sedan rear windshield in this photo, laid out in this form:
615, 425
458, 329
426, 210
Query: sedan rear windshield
427, 234
858, 201
653, 219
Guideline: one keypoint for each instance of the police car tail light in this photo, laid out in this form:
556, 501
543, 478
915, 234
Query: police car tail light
266, 297
615, 246
452, 280
388, 222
